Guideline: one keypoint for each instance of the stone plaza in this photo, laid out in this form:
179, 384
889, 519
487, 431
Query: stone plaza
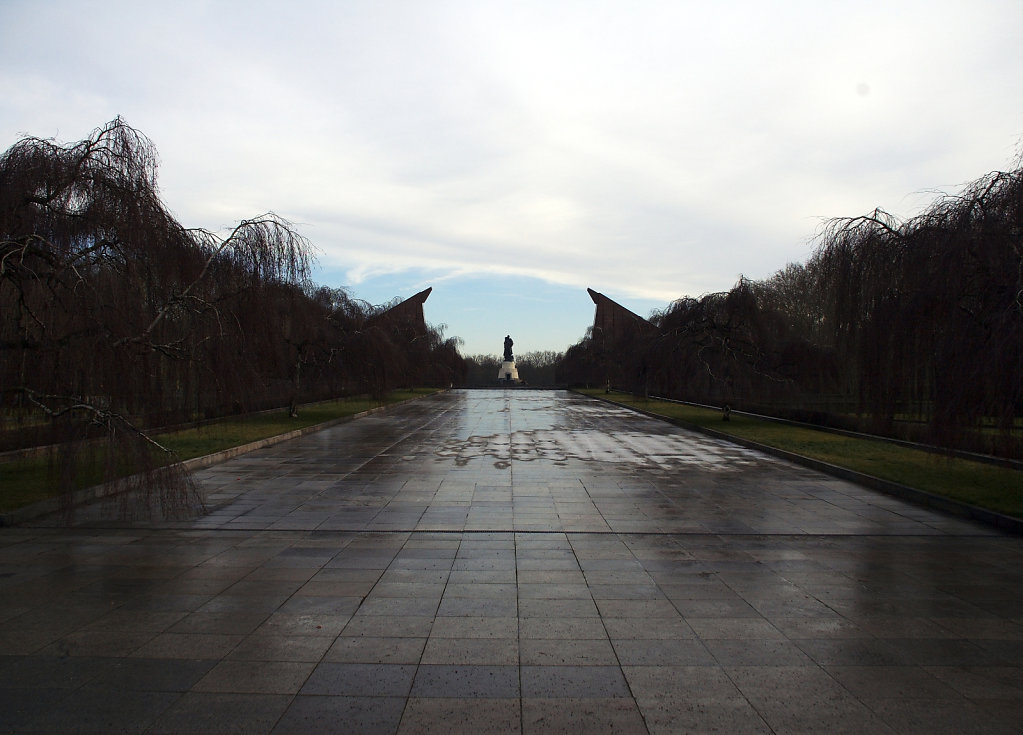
505, 561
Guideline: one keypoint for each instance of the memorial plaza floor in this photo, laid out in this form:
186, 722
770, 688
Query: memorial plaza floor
515, 561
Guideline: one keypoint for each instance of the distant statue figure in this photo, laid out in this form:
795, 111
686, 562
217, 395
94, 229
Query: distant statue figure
508, 356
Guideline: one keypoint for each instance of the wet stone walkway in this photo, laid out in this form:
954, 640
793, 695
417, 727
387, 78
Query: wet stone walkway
515, 561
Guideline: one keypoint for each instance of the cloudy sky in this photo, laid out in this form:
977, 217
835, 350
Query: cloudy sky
511, 154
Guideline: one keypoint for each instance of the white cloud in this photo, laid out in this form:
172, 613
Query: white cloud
648, 149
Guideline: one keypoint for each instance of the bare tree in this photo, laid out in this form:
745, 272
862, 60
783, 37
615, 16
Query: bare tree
908, 328
109, 302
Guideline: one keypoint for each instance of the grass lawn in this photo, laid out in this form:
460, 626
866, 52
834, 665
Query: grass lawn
985, 485
26, 481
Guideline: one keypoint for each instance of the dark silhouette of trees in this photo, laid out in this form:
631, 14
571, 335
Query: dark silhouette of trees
445, 367
482, 369
912, 329
726, 348
583, 365
929, 312
536, 368
118, 320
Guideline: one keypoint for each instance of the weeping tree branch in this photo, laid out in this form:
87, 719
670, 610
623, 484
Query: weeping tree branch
267, 247
97, 416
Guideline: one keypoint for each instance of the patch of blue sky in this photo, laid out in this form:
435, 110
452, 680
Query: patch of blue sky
481, 309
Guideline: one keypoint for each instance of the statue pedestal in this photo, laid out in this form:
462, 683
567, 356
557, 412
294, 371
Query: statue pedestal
509, 373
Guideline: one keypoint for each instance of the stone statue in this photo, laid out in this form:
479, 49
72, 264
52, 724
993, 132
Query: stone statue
508, 374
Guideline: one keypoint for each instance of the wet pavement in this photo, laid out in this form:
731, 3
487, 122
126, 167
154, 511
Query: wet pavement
515, 561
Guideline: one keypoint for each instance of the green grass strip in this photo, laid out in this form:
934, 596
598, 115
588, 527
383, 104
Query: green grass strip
29, 480
988, 486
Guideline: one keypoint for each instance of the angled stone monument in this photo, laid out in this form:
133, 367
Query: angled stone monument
508, 373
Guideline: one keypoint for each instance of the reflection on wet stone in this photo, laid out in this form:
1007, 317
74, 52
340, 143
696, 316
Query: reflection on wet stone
516, 560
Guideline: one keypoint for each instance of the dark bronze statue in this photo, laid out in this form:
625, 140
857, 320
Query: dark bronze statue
508, 356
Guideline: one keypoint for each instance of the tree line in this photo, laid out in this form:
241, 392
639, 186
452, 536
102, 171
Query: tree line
908, 328
536, 368
118, 319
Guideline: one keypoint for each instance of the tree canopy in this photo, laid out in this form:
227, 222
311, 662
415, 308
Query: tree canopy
117, 319
911, 328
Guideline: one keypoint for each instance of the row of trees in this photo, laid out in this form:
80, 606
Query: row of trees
537, 368
118, 319
910, 328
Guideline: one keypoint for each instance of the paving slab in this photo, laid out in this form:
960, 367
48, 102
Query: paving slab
514, 561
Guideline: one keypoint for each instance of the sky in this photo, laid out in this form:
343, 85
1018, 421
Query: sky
512, 154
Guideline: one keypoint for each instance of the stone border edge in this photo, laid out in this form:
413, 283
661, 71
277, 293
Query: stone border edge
1000, 521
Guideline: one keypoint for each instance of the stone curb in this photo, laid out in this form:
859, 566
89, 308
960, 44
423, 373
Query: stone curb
1000, 521
53, 505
